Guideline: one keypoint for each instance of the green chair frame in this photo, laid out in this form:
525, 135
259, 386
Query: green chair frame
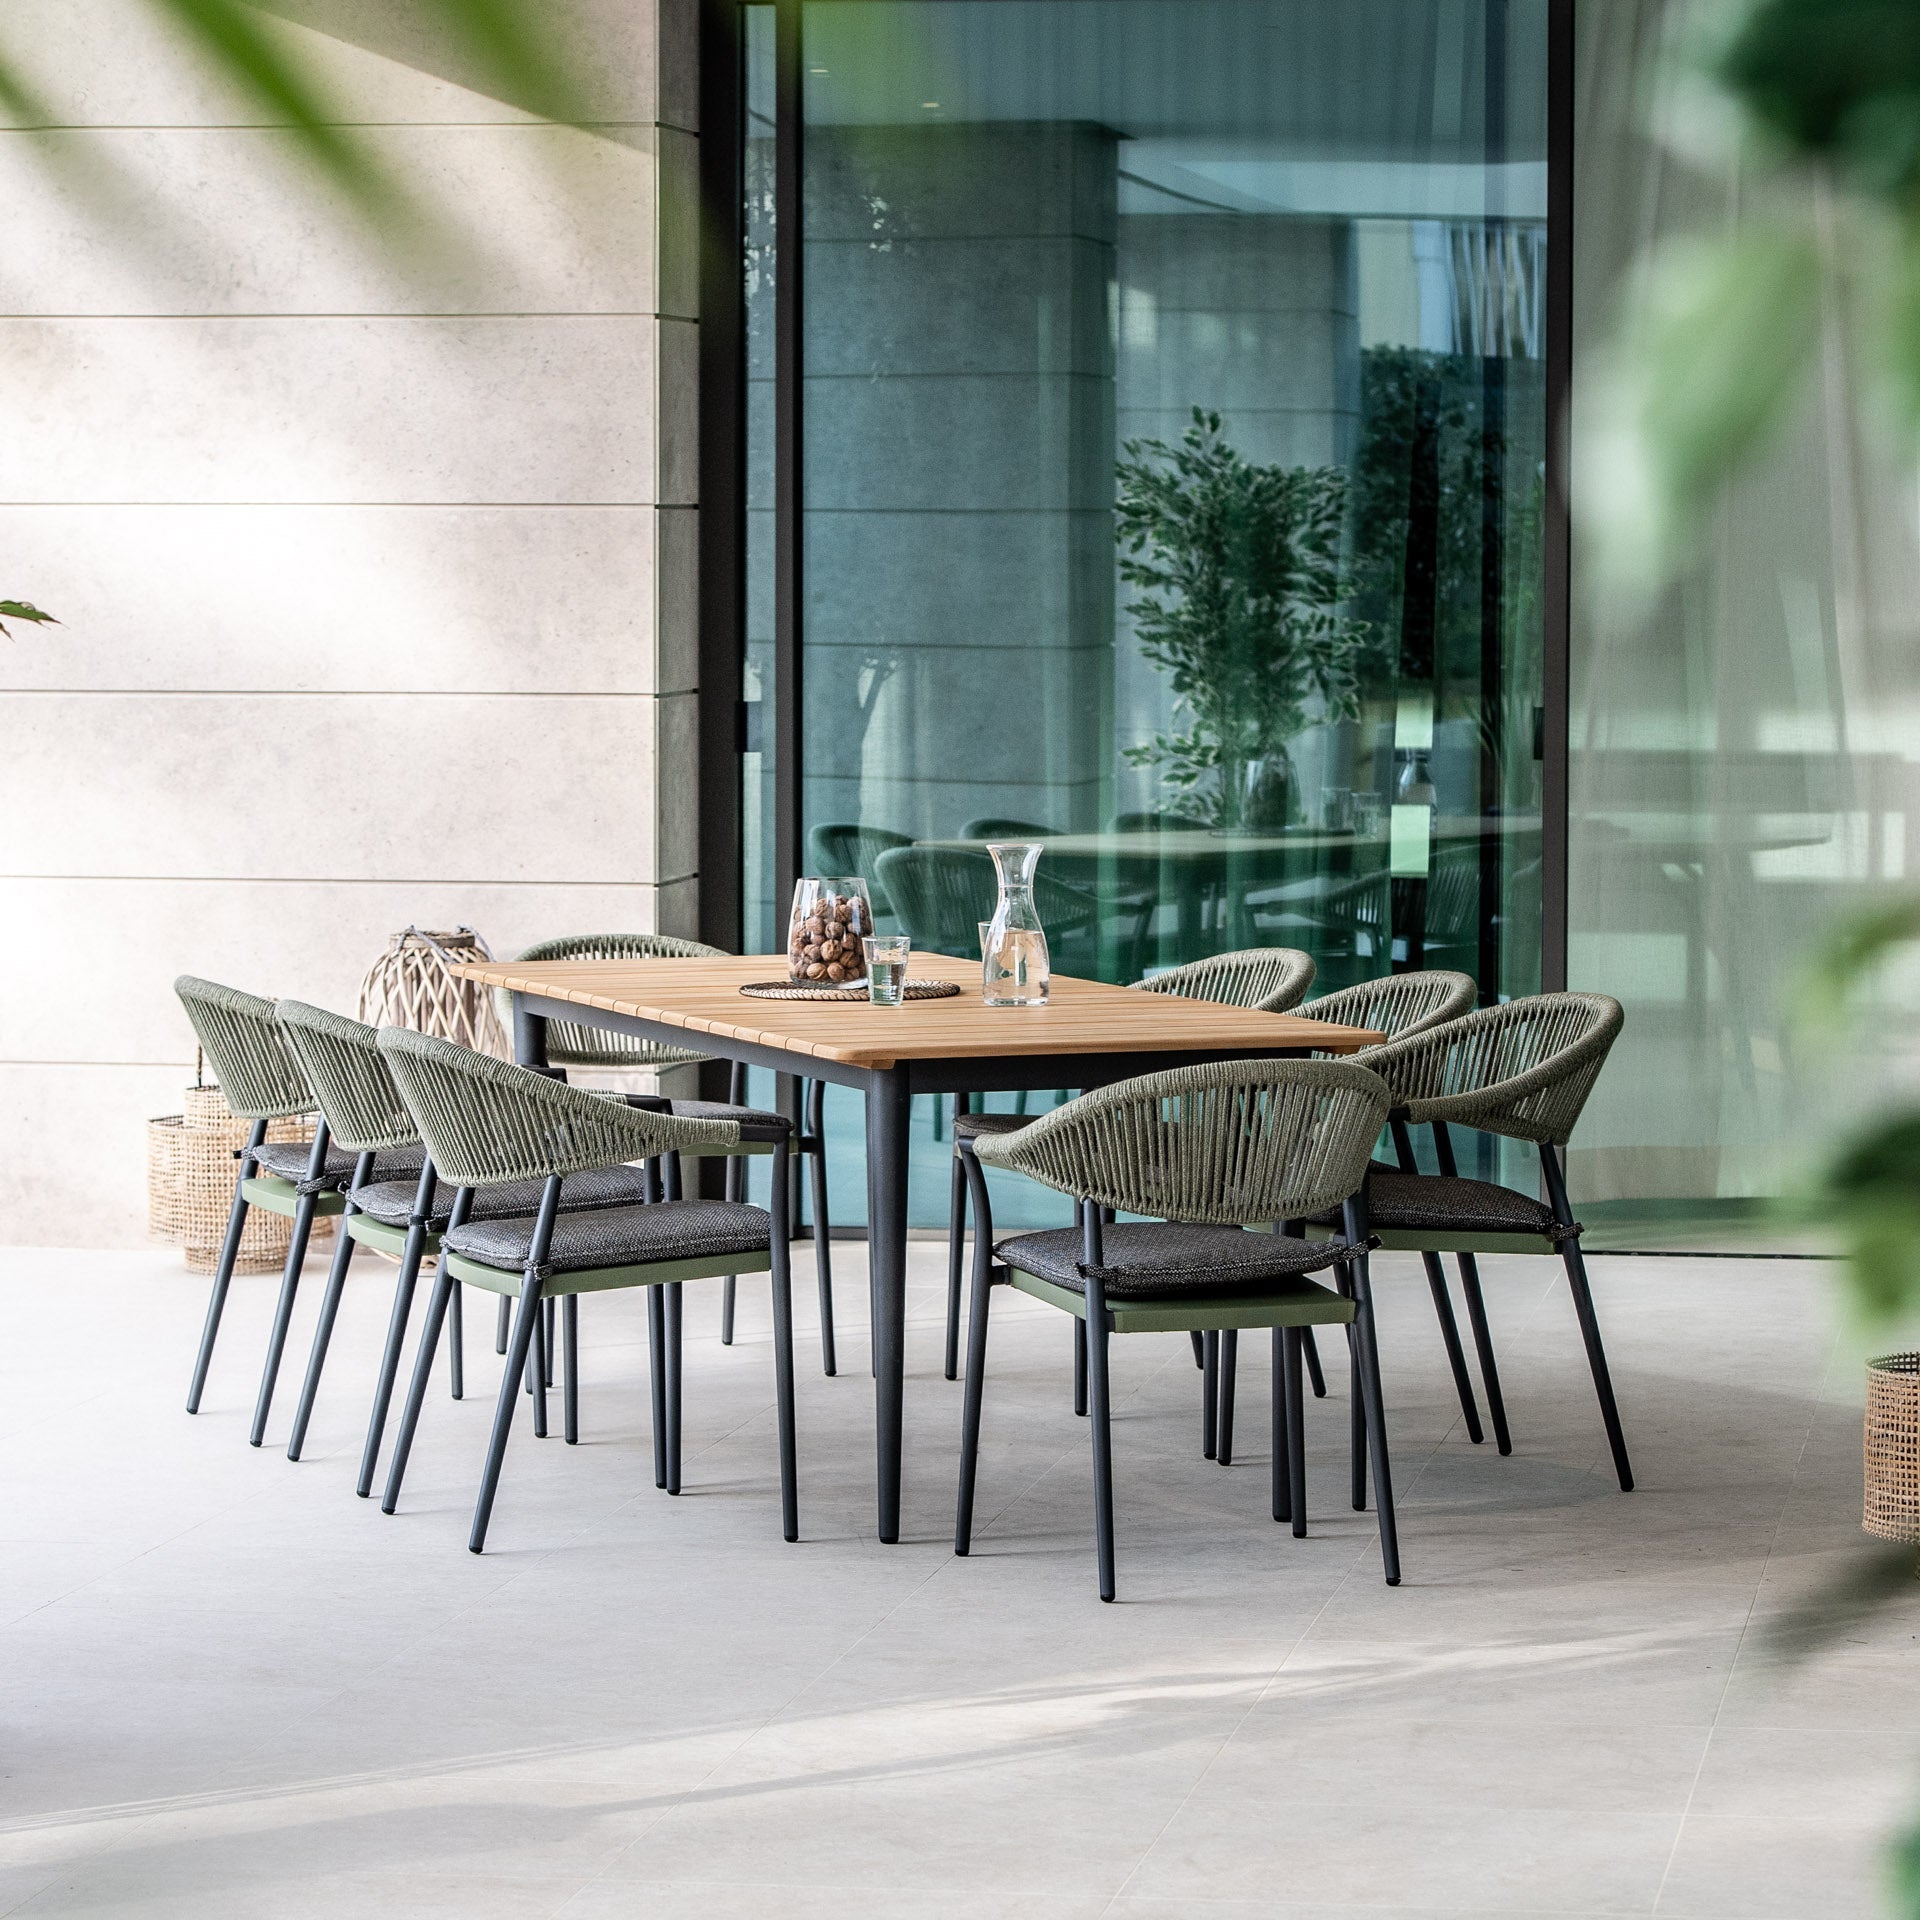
1237, 1144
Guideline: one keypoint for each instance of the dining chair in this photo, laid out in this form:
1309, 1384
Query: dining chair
1519, 1071
262, 1081
490, 1125
994, 826
1267, 979
403, 1219
571, 1044
843, 846
1206, 1153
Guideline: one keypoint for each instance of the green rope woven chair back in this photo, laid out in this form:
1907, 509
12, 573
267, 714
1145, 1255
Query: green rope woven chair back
357, 1094
571, 1045
237, 1031
1397, 1004
1240, 1143
843, 846
1267, 979
1523, 1069
485, 1120
941, 894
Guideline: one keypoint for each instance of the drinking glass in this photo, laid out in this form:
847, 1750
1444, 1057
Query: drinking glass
887, 968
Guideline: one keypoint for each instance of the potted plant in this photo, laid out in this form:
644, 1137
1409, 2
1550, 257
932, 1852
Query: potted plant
1240, 603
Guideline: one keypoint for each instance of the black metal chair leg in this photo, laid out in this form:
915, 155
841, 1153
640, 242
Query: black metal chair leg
1356, 1423
1483, 1348
1079, 1373
674, 1323
956, 1243
323, 1327
443, 1285
1295, 1401
282, 1314
1281, 1471
816, 1124
1450, 1339
223, 1268
1368, 1349
1199, 1348
1229, 1368
1210, 1396
526, 1326
1315, 1378
657, 1371
403, 1289
457, 1346
570, 1366
976, 1378
1100, 1406
783, 1356
1576, 1266
728, 1288
539, 1369
502, 1319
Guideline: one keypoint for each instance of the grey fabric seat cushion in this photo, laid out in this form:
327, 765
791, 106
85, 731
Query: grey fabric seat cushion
754, 1123
288, 1159
1440, 1203
1150, 1258
391, 1201
970, 1126
621, 1236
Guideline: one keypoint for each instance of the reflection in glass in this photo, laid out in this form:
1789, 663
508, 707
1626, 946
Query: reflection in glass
1173, 477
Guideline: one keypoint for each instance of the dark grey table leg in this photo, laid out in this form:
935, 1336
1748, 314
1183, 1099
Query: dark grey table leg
889, 1114
529, 1036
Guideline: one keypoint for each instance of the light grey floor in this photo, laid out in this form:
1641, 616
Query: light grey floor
229, 1689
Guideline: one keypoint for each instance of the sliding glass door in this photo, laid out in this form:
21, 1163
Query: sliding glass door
1169, 478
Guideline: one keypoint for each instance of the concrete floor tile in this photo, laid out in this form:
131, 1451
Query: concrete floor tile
1773, 1869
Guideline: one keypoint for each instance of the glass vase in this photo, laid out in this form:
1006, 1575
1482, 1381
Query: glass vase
831, 916
1014, 968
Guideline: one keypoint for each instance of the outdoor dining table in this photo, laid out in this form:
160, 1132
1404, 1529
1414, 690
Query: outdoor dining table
1088, 1035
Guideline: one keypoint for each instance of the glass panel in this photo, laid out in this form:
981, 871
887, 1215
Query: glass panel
1174, 437
758, 883
1743, 763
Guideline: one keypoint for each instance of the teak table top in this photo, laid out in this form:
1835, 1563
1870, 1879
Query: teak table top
1084, 1016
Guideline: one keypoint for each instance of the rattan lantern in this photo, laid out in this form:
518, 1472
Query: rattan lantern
412, 985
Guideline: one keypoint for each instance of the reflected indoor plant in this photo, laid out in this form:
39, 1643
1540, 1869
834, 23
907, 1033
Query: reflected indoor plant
1239, 571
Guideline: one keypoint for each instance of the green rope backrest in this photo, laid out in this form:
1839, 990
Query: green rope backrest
357, 1094
258, 1075
844, 846
485, 1121
1240, 1143
569, 1044
1267, 979
1523, 1069
941, 894
1397, 1004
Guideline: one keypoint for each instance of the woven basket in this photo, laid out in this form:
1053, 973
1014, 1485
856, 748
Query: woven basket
1893, 1447
190, 1174
410, 985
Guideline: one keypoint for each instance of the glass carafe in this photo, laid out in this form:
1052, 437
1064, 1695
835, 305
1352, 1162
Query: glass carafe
1014, 969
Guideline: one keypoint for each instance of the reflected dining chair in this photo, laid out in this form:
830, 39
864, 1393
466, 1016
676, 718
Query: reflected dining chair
1519, 1071
1206, 1153
844, 846
262, 1080
489, 1125
569, 1044
403, 1219
1266, 979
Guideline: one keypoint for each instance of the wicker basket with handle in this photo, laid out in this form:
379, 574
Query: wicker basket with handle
190, 1174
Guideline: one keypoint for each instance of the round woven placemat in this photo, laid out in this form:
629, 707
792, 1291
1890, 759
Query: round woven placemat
785, 990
